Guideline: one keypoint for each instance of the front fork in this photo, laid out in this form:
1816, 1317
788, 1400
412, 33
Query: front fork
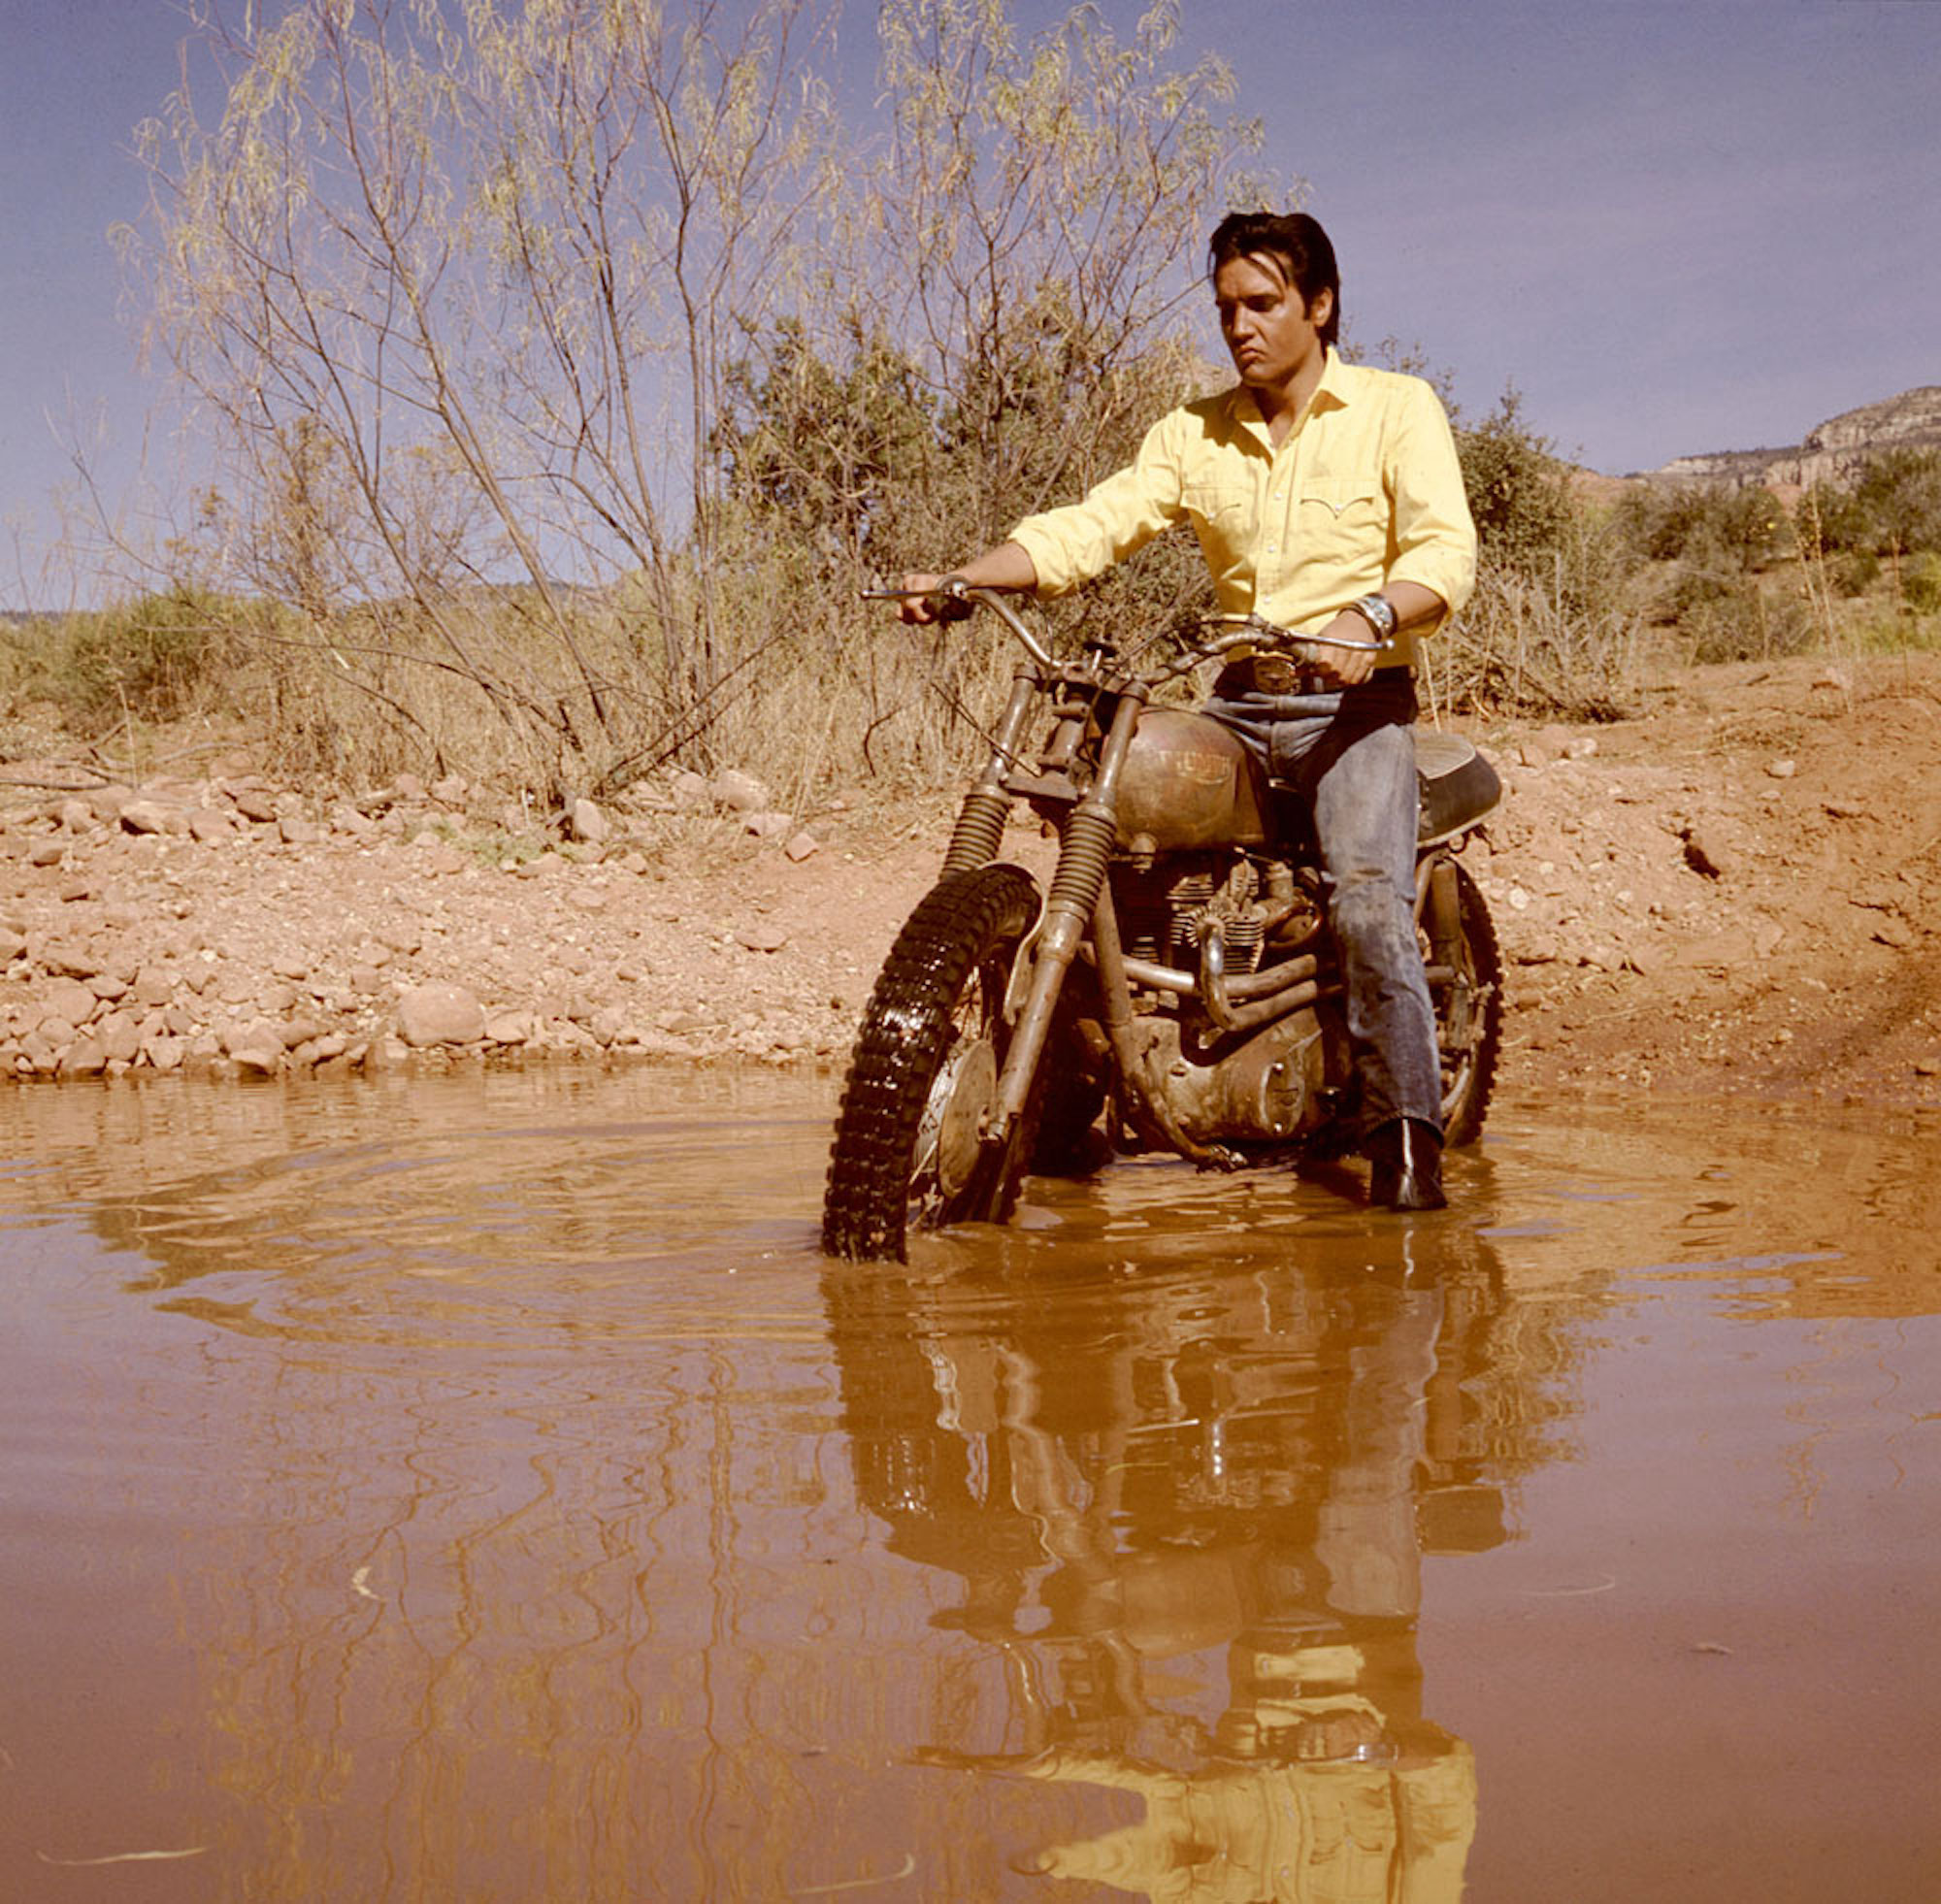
1085, 849
980, 832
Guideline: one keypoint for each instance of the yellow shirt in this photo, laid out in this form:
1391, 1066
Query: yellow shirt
1364, 490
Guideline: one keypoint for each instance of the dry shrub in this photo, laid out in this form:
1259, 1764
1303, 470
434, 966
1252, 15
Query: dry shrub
807, 700
564, 293
156, 659
1523, 647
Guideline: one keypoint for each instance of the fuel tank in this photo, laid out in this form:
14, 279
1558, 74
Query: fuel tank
1189, 782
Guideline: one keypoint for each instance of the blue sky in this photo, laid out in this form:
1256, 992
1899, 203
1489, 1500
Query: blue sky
1674, 228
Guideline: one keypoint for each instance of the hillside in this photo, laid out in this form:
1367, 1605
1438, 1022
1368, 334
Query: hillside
1833, 451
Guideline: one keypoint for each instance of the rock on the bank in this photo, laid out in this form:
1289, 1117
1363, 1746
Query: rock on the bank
258, 1046
739, 792
440, 1014
152, 816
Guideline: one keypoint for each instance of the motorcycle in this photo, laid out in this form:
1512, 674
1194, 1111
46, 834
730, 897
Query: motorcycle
1175, 988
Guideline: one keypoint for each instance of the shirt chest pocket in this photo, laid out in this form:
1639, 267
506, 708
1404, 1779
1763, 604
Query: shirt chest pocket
1225, 507
1226, 517
1341, 516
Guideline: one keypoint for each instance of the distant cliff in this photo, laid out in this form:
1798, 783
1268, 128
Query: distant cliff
1833, 451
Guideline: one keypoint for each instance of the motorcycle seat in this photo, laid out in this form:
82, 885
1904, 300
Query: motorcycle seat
1456, 785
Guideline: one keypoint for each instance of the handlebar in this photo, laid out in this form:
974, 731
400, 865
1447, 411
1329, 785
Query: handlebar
954, 588
1250, 630
1259, 625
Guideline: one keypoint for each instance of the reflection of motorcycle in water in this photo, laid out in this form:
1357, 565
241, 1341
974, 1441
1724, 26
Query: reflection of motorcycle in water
1242, 1472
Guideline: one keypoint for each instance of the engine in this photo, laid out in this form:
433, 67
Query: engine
1165, 908
1267, 1088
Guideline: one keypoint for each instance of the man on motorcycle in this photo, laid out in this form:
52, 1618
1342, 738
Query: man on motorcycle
1327, 499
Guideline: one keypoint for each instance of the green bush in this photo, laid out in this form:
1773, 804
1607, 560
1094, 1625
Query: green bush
1703, 580
1706, 523
1856, 571
1899, 500
156, 659
1747, 623
1835, 523
1517, 491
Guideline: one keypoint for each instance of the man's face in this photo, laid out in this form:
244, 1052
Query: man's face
1271, 334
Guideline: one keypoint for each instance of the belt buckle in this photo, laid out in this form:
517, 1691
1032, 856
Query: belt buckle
1278, 673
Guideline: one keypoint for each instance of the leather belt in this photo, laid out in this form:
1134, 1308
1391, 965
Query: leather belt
1281, 673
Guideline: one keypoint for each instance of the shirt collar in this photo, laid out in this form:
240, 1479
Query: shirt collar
1334, 391
1337, 382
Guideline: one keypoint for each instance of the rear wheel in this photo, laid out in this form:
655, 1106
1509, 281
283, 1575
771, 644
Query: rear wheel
909, 1149
1469, 1003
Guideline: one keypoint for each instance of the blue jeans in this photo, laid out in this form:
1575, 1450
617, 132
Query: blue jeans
1349, 755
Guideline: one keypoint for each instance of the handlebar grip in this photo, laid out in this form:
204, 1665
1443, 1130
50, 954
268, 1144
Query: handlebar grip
950, 597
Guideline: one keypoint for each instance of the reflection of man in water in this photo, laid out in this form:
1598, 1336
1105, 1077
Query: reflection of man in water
1255, 1482
1301, 1832
1327, 1793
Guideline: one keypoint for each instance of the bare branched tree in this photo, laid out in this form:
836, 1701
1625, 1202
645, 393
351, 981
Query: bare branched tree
1049, 201
468, 293
453, 286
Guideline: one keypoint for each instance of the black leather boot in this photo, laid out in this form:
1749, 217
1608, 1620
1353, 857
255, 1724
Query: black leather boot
1407, 1158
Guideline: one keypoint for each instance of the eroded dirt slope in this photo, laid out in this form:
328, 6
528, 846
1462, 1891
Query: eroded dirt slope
1738, 894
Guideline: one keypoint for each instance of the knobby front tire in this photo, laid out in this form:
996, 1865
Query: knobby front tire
922, 1083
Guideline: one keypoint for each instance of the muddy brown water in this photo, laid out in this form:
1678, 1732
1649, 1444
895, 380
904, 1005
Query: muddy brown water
480, 1488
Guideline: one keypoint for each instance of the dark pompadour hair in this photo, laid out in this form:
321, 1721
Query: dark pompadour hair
1296, 242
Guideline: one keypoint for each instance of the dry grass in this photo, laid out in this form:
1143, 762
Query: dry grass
842, 697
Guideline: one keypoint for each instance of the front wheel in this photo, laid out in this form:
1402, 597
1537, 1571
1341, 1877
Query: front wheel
1468, 1001
922, 1092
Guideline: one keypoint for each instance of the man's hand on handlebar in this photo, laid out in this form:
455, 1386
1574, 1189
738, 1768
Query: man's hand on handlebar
922, 604
1344, 667
1338, 655
1007, 566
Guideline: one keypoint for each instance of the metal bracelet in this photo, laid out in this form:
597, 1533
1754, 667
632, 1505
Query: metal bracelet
1379, 612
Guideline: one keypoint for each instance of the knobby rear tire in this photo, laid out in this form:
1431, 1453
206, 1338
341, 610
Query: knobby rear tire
1469, 1052
932, 1042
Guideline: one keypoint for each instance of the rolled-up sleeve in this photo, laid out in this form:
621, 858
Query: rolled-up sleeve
1070, 546
1434, 537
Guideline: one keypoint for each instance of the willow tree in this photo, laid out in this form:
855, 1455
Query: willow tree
467, 292
1024, 292
1048, 200
451, 284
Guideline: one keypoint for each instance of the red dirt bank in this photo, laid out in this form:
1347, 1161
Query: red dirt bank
1738, 894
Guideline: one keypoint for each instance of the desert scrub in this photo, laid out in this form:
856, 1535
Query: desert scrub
152, 660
